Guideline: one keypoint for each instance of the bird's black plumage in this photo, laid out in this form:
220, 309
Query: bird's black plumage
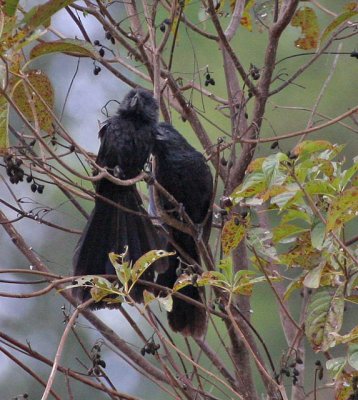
184, 173
126, 142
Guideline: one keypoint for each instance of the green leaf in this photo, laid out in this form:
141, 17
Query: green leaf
324, 316
284, 231
232, 234
318, 235
292, 214
253, 184
291, 194
272, 169
348, 174
336, 365
40, 15
353, 355
336, 23
225, 265
260, 240
73, 46
342, 209
10, 7
43, 86
4, 119
212, 278
320, 187
313, 277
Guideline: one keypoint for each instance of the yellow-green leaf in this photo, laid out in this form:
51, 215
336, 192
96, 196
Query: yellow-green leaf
284, 231
232, 234
311, 146
43, 86
73, 46
146, 261
246, 20
306, 19
148, 297
41, 14
345, 16
4, 134
342, 209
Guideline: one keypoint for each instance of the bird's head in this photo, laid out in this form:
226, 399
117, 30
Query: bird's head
141, 104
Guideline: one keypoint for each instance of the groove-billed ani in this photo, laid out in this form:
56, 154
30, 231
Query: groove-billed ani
126, 142
184, 173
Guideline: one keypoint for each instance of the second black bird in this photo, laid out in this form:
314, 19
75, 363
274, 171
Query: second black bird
184, 173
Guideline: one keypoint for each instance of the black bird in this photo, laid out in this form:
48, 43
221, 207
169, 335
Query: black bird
184, 173
126, 142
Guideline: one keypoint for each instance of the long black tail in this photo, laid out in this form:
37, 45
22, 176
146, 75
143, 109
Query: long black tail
185, 317
111, 229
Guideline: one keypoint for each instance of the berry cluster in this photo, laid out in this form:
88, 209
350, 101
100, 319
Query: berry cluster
97, 362
291, 370
35, 187
110, 37
150, 348
162, 26
209, 80
13, 168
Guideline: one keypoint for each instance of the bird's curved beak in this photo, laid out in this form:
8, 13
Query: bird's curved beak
134, 101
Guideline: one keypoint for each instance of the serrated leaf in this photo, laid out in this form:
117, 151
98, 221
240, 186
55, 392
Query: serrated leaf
308, 147
166, 302
232, 234
44, 88
335, 366
4, 119
345, 16
324, 316
342, 209
313, 277
306, 19
73, 46
41, 14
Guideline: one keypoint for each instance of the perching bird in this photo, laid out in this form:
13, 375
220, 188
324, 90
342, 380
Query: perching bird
184, 173
126, 142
